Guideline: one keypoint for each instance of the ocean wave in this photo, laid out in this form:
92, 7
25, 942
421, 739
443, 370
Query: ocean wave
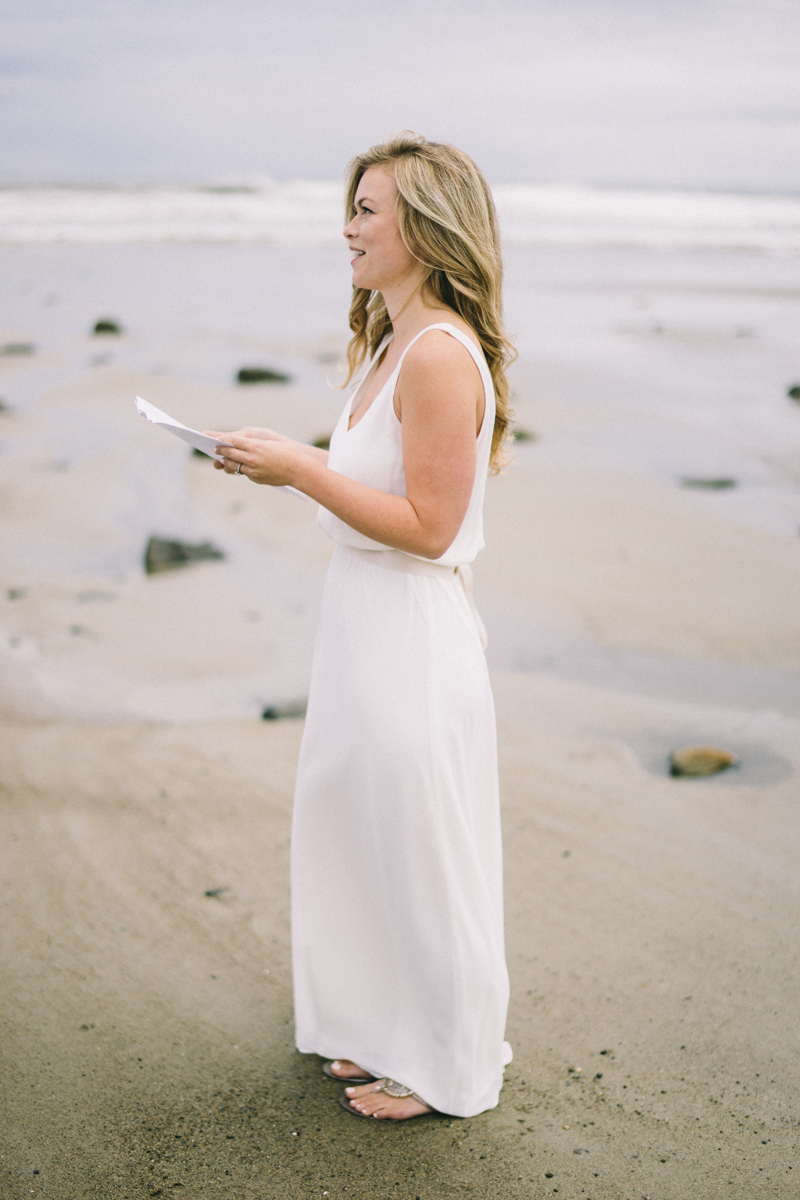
309, 213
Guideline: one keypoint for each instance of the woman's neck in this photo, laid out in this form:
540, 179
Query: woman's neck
409, 313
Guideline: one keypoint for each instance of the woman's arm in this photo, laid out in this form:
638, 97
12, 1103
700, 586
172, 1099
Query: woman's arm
440, 396
267, 435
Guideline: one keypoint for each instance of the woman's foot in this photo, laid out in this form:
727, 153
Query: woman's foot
371, 1101
343, 1068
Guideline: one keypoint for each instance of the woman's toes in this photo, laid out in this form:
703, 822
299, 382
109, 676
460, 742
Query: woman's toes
360, 1089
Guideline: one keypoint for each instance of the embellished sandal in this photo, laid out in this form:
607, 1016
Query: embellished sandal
391, 1088
327, 1070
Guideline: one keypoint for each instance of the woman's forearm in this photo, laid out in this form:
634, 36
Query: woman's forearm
386, 518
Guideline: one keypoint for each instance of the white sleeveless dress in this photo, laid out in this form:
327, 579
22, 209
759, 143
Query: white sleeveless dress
396, 865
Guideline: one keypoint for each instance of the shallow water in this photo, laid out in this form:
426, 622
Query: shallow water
673, 363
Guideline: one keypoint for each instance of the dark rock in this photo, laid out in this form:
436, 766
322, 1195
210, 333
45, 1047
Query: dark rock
214, 892
323, 442
700, 760
18, 348
17, 593
261, 375
523, 435
164, 555
106, 325
278, 712
710, 485
794, 391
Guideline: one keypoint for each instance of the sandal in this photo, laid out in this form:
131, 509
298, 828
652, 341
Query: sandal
391, 1088
326, 1069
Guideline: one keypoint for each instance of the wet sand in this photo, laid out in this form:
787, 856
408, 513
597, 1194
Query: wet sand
147, 1025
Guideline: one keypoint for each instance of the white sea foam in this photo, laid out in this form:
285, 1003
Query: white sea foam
308, 213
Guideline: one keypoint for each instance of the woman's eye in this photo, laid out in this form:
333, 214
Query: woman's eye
364, 209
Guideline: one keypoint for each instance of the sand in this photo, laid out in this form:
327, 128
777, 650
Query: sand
147, 1025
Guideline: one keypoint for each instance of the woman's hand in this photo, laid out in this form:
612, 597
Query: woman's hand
266, 437
271, 460
258, 435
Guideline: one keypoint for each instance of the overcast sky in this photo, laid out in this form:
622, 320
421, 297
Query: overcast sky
687, 93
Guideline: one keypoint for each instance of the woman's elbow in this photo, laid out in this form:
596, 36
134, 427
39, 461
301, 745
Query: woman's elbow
434, 544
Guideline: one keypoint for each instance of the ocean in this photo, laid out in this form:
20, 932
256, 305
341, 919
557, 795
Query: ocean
306, 213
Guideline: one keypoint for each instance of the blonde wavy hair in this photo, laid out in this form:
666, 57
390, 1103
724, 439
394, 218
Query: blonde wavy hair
448, 222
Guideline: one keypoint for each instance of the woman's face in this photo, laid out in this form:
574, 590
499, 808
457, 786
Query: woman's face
381, 259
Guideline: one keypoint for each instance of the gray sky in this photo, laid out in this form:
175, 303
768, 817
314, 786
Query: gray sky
687, 93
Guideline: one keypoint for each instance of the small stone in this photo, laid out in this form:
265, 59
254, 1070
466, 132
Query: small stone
323, 442
261, 375
710, 485
548, 1174
523, 435
794, 391
161, 554
17, 593
700, 760
279, 712
213, 892
18, 348
106, 325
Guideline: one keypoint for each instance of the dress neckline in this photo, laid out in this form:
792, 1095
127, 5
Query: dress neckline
467, 342
372, 366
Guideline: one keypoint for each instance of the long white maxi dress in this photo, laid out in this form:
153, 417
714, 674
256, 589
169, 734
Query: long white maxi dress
396, 864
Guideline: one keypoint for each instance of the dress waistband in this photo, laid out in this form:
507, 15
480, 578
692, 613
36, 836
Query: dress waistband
396, 560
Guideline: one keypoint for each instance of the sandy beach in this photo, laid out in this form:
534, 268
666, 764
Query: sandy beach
632, 609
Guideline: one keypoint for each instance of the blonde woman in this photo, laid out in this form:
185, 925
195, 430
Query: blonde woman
397, 911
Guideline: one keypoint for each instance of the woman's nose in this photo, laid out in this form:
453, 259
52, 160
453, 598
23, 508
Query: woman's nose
348, 230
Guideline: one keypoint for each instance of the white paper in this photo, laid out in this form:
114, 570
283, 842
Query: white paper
200, 441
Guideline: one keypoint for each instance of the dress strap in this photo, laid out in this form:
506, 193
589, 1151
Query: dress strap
468, 343
477, 357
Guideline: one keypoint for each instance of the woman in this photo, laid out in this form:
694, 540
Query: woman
397, 919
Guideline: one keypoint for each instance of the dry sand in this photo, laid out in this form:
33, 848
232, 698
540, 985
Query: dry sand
652, 923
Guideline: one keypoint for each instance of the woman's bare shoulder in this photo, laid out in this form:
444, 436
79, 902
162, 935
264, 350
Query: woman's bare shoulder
438, 348
437, 356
